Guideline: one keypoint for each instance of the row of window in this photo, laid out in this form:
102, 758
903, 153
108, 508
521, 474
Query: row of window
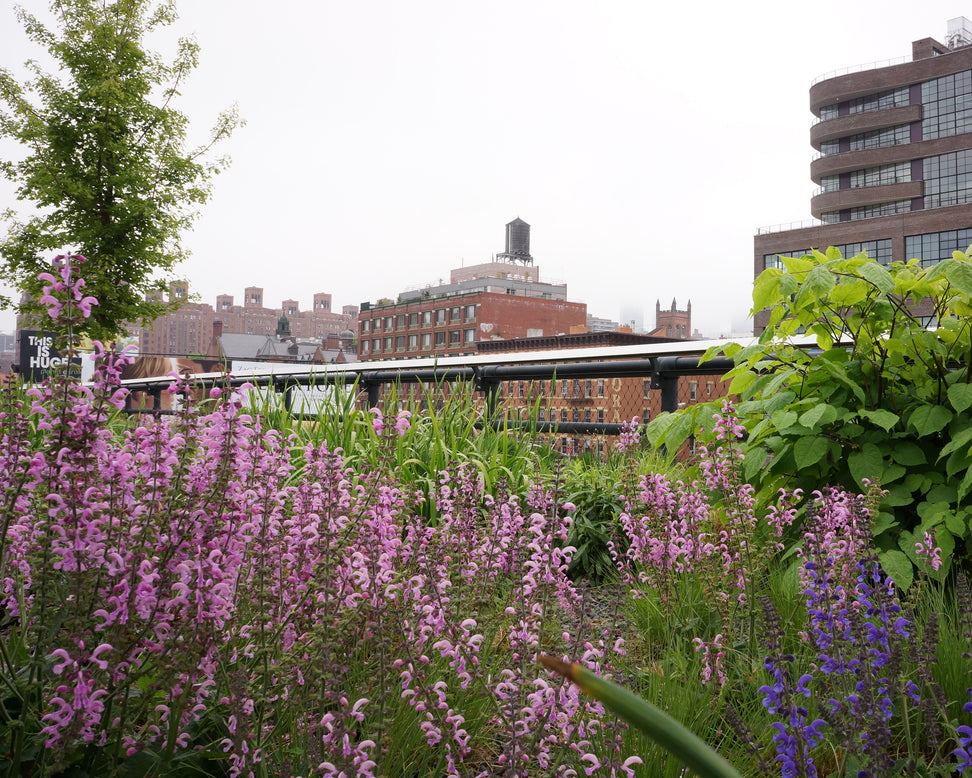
933, 247
439, 317
564, 387
879, 250
402, 343
897, 173
880, 101
929, 248
879, 139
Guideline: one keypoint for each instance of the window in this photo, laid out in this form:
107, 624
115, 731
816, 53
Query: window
577, 388
933, 247
587, 414
693, 390
520, 389
412, 342
563, 389
400, 343
879, 101
426, 340
426, 318
879, 139
563, 414
708, 388
948, 178
377, 324
454, 338
883, 174
587, 388
454, 315
365, 346
366, 325
389, 344
645, 415
946, 106
400, 321
541, 416
575, 415
828, 112
600, 387
646, 389
376, 344
389, 322
413, 320
469, 336
600, 415
440, 316
470, 313
881, 209
440, 340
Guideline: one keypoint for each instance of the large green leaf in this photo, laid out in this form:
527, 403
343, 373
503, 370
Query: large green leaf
929, 419
897, 565
821, 413
809, 450
884, 419
959, 441
960, 396
878, 275
866, 463
908, 453
959, 275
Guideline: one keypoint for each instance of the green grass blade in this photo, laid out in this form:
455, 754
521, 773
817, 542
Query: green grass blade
675, 738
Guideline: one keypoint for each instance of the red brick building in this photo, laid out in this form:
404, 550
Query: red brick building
188, 330
497, 300
450, 325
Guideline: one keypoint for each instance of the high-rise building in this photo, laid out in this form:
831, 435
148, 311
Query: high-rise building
895, 160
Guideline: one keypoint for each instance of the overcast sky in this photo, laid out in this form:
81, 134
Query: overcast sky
388, 142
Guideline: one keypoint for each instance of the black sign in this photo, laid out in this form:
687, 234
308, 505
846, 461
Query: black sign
38, 355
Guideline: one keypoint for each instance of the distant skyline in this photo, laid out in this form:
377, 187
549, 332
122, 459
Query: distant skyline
388, 143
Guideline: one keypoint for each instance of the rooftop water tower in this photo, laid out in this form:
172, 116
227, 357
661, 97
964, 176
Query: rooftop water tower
517, 242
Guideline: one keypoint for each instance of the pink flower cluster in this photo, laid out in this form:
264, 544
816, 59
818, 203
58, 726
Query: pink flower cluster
197, 559
709, 526
63, 288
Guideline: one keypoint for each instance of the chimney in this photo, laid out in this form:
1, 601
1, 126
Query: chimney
217, 329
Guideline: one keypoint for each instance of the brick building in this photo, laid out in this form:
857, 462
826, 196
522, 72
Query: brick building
673, 323
188, 330
585, 400
895, 161
496, 300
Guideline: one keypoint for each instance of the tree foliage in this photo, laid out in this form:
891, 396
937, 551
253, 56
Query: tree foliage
105, 163
864, 372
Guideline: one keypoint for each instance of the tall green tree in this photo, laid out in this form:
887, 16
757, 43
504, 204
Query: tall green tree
105, 162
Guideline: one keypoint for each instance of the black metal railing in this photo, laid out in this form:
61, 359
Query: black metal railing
660, 366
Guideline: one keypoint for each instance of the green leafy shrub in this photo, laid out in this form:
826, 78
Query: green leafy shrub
883, 393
